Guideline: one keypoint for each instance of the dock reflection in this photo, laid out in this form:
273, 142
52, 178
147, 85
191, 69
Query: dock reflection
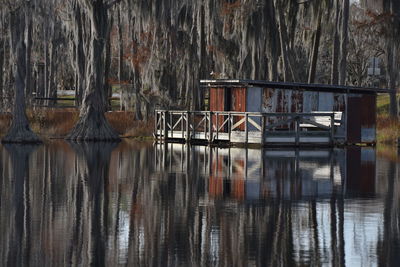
290, 174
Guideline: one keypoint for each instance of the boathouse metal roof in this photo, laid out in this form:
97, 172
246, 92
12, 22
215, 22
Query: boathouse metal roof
292, 86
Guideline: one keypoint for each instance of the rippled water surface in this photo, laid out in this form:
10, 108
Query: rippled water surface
139, 204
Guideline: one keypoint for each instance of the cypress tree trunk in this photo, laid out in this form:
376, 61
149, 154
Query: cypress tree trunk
28, 78
392, 76
120, 54
92, 124
19, 131
107, 84
79, 54
315, 48
343, 42
272, 42
2, 95
120, 49
335, 50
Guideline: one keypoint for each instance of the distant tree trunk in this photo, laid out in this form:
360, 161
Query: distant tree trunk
392, 75
79, 57
289, 73
343, 42
19, 131
336, 44
136, 79
52, 58
138, 102
272, 42
92, 124
392, 48
107, 84
46, 62
120, 49
199, 103
28, 78
120, 54
2, 54
315, 48
283, 42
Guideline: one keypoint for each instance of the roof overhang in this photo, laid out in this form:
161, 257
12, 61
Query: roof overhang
292, 86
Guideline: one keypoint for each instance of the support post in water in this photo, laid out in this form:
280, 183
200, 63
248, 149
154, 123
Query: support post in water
210, 129
187, 127
165, 125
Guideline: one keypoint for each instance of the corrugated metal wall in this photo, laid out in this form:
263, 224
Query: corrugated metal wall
217, 103
358, 118
238, 103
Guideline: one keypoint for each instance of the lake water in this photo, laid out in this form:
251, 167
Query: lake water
139, 204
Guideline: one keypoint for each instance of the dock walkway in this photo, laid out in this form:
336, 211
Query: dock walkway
295, 129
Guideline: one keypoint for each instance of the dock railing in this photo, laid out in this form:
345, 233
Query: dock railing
246, 127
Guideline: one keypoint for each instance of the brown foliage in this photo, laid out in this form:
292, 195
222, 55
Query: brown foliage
57, 123
229, 8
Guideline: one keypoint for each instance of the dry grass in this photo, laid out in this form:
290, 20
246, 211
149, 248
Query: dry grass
57, 123
53, 123
388, 152
388, 129
125, 124
141, 129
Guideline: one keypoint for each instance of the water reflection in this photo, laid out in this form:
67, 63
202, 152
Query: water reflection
144, 205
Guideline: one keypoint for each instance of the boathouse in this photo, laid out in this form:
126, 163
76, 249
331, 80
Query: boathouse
275, 113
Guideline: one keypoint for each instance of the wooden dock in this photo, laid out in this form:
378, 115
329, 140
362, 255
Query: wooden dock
294, 129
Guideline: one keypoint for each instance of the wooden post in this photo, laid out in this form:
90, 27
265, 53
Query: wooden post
246, 129
162, 124
332, 128
263, 130
156, 124
210, 129
165, 126
229, 126
205, 126
187, 127
171, 125
194, 125
183, 124
297, 130
216, 122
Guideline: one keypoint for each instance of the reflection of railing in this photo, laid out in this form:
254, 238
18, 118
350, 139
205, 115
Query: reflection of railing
246, 127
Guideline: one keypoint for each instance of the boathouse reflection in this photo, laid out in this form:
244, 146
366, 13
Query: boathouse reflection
256, 174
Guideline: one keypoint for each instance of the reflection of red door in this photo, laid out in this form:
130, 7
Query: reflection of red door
354, 120
360, 177
239, 104
215, 184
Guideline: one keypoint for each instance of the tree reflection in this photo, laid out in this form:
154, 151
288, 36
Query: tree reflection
389, 247
142, 206
93, 198
19, 238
